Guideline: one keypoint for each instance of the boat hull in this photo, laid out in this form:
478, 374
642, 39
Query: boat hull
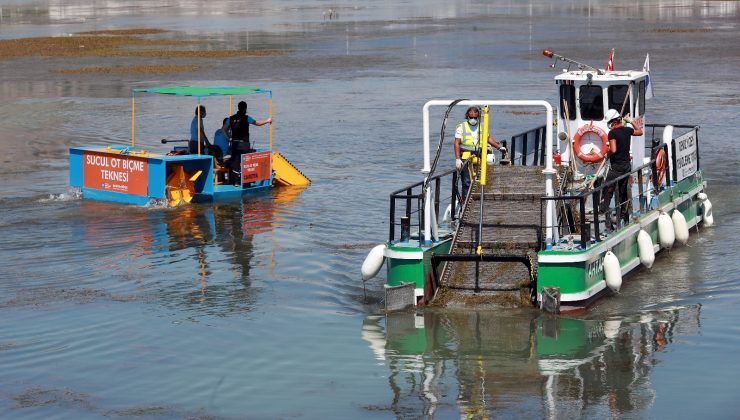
411, 263
118, 174
579, 274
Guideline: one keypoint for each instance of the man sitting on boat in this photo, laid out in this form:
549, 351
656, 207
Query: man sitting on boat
466, 139
620, 138
221, 139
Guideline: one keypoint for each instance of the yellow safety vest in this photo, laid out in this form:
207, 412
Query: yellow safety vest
467, 142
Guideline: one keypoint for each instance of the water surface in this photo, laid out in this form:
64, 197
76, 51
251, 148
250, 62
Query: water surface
256, 309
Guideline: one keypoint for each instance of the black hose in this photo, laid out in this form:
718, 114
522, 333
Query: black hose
439, 151
441, 142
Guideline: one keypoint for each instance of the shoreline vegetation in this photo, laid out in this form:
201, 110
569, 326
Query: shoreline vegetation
121, 43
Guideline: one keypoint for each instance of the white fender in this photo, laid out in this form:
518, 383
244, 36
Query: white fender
680, 227
611, 328
707, 205
646, 249
666, 236
612, 271
448, 214
373, 262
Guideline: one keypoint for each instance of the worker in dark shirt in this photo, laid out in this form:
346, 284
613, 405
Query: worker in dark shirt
620, 139
240, 143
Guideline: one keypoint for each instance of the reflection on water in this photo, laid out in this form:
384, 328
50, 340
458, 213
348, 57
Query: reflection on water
210, 246
78, 11
565, 367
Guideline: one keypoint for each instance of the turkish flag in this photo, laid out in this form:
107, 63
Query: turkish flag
610, 61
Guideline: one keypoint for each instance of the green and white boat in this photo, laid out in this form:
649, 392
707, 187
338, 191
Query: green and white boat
529, 230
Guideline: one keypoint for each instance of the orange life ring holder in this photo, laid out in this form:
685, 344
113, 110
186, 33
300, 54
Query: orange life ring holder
591, 157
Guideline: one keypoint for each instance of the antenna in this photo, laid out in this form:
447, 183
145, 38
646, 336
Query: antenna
581, 66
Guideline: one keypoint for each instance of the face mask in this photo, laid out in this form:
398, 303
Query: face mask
473, 121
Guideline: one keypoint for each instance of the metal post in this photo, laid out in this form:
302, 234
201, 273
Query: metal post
269, 112
542, 146
405, 229
595, 201
437, 182
617, 204
423, 218
133, 118
584, 226
453, 200
641, 191
199, 127
392, 227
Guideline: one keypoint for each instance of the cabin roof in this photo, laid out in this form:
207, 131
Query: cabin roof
202, 90
609, 76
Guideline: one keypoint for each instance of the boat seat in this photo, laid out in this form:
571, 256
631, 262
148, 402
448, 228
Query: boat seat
219, 170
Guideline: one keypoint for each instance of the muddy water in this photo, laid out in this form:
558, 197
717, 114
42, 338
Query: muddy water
256, 309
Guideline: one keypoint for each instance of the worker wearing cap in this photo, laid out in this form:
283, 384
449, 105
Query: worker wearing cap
466, 145
620, 139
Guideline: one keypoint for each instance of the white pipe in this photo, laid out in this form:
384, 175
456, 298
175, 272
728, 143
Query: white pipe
549, 171
435, 231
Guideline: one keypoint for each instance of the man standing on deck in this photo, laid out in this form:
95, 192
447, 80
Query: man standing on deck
193, 143
240, 144
620, 139
466, 140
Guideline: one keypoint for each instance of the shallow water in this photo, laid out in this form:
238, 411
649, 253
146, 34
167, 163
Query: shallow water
256, 309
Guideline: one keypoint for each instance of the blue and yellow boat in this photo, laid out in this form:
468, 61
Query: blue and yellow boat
127, 174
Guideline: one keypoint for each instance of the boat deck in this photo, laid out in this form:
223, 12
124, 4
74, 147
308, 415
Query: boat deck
510, 236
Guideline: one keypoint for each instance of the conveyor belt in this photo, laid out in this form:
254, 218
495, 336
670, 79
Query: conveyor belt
511, 234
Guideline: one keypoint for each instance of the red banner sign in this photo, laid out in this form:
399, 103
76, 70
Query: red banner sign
114, 172
255, 167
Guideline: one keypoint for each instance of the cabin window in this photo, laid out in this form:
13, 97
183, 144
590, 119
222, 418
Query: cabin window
568, 95
617, 93
641, 99
592, 102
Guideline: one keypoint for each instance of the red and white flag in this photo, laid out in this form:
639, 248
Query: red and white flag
610, 61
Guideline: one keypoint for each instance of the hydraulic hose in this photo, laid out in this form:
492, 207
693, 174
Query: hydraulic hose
439, 146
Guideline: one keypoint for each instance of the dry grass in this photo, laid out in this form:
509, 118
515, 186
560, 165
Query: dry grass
677, 30
76, 46
132, 31
160, 69
119, 43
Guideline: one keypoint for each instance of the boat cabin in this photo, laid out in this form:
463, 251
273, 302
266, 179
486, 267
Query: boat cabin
584, 96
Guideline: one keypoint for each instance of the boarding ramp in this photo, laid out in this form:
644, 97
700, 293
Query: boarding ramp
285, 173
503, 274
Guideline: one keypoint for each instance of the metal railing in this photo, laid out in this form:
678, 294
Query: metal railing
412, 198
579, 214
519, 150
